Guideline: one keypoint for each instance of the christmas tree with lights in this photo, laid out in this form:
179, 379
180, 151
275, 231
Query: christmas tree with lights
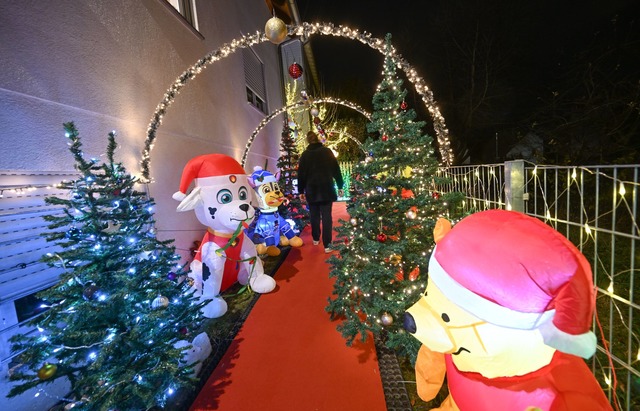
292, 208
114, 321
382, 265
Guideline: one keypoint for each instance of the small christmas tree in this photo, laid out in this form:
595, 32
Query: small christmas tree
381, 269
118, 309
287, 163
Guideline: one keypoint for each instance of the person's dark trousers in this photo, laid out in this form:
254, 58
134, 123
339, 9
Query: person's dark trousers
321, 212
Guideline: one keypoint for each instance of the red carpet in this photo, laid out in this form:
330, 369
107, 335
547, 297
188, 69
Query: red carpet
288, 354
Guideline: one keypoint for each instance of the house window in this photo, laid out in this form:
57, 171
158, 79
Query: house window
186, 8
254, 77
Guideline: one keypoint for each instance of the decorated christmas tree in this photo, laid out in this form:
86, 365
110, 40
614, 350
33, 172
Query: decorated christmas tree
381, 268
287, 163
114, 318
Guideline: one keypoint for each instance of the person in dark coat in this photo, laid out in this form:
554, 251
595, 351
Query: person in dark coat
317, 169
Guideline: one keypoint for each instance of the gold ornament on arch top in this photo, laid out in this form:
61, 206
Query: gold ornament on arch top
275, 30
304, 30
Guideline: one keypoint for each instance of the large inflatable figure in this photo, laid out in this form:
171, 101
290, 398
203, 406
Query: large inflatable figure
506, 316
222, 202
269, 229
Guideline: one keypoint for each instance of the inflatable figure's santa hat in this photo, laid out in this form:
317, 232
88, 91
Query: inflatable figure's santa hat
260, 176
208, 170
513, 270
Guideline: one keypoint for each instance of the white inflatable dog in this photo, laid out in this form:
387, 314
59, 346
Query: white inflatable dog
221, 200
198, 350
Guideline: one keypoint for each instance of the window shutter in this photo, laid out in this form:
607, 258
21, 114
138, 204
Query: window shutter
254, 73
22, 207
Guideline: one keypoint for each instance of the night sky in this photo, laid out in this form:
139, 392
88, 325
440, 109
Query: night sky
530, 44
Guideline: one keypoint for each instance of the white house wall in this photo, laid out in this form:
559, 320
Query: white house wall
106, 64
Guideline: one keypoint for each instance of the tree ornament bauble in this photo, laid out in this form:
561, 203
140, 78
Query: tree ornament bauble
354, 221
403, 105
395, 259
400, 274
435, 195
172, 276
314, 111
275, 30
368, 159
414, 274
304, 95
385, 138
411, 214
295, 71
183, 330
382, 237
47, 371
73, 233
386, 319
160, 302
316, 120
90, 292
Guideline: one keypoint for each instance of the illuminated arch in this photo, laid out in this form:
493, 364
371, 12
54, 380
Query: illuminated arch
352, 138
292, 106
304, 30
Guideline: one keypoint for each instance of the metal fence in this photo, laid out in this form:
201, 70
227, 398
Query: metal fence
595, 207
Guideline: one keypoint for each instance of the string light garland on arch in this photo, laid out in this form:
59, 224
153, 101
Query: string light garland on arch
303, 30
349, 136
301, 104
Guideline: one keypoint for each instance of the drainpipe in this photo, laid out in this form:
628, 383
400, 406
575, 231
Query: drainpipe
295, 14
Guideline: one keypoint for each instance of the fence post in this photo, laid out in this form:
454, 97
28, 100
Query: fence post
514, 179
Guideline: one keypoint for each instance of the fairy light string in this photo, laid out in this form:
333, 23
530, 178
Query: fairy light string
298, 105
603, 222
304, 30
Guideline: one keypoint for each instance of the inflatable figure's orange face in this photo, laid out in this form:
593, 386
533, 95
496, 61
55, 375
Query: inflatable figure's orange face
474, 344
444, 327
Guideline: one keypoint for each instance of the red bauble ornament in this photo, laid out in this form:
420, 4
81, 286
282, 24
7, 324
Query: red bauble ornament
400, 275
403, 105
316, 120
295, 71
385, 138
382, 237
414, 274
435, 195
